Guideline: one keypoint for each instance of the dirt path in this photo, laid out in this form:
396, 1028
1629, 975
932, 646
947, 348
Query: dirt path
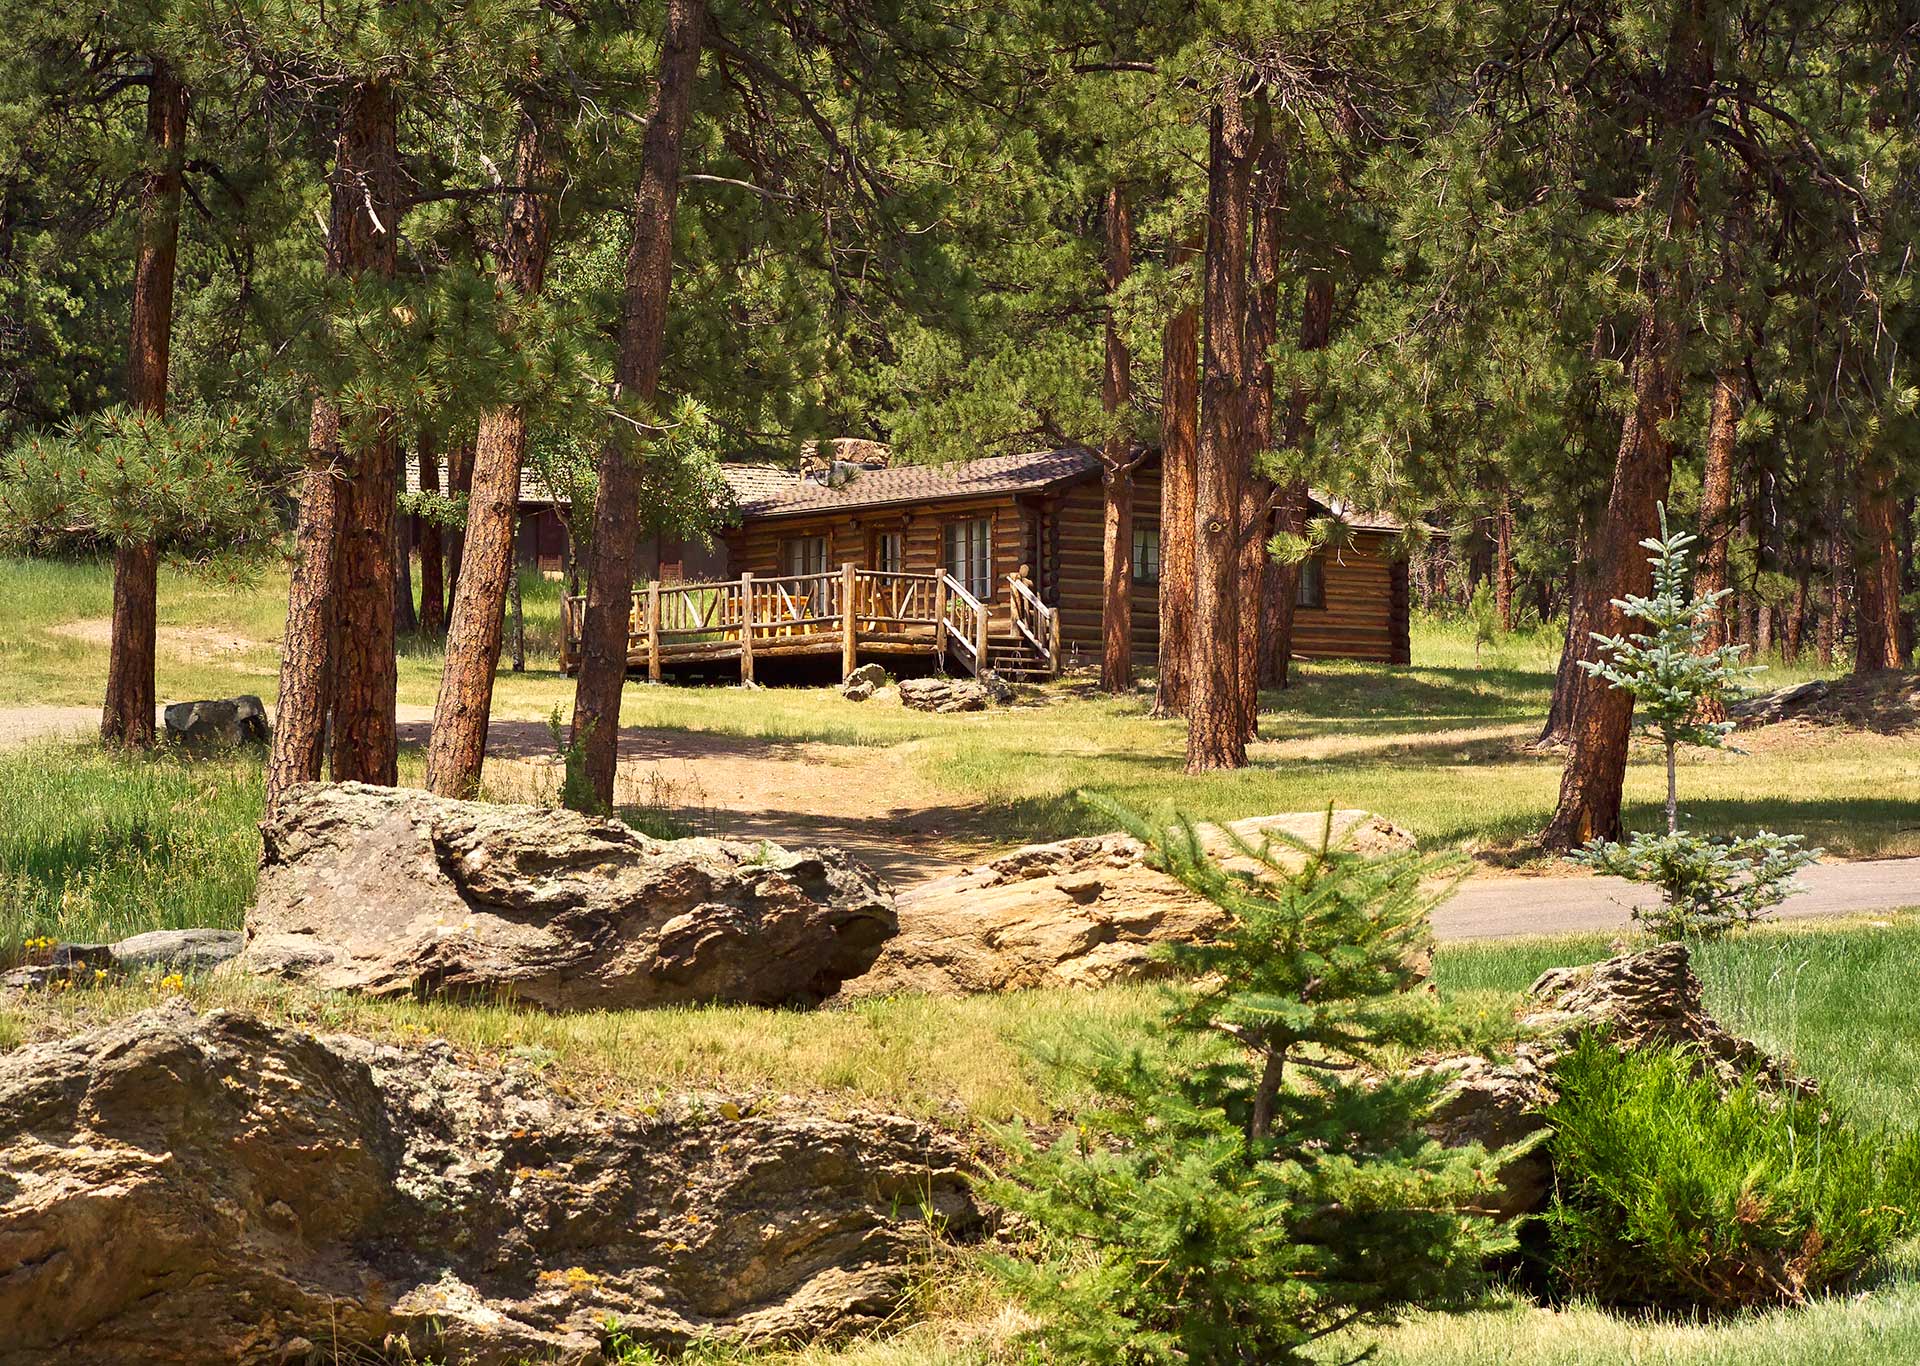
869, 801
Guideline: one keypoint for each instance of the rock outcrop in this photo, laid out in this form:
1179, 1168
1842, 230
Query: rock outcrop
1649, 999
212, 726
863, 683
388, 891
1077, 912
1885, 700
944, 695
185, 1188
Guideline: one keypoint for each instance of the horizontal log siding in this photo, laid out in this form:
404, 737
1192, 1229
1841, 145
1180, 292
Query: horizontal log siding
757, 548
1358, 622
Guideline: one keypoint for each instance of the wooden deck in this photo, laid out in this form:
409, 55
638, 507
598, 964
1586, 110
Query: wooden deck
850, 612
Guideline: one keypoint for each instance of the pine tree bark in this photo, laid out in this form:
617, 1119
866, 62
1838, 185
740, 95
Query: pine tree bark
1876, 569
306, 650
365, 744
616, 519
459, 482
405, 620
1716, 497
126, 716
433, 582
1117, 460
1216, 737
1503, 560
1258, 492
1590, 787
346, 511
1179, 436
457, 748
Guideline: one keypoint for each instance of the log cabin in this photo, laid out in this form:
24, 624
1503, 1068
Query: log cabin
994, 562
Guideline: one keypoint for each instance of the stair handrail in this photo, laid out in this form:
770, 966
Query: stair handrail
972, 640
1043, 632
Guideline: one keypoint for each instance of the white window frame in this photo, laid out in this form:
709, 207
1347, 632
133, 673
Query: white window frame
1146, 551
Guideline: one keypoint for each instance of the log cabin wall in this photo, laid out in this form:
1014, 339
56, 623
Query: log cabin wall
1363, 613
760, 546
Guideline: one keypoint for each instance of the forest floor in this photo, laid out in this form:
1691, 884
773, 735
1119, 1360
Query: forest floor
1442, 749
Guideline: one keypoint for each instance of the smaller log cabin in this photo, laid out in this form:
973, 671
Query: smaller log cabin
1038, 516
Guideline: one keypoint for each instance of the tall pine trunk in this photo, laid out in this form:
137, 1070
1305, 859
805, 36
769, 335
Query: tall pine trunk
365, 745
1257, 493
457, 748
1290, 513
1503, 560
126, 718
1216, 737
1590, 787
1716, 497
433, 583
459, 482
336, 504
1876, 569
1179, 435
405, 620
616, 514
1117, 462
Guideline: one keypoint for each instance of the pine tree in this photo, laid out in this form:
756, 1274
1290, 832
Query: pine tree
1251, 1182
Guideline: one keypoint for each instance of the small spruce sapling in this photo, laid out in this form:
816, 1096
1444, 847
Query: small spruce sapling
1253, 1178
1707, 885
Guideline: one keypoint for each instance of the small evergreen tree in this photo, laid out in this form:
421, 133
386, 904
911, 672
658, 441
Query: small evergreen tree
1242, 1191
1678, 681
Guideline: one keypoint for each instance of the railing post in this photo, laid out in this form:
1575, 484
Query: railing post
746, 628
653, 631
849, 635
940, 614
981, 625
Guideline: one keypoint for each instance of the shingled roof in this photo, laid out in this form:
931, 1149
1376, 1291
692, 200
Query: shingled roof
862, 488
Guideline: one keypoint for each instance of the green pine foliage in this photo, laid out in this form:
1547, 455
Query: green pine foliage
1680, 687
1673, 1195
1250, 1183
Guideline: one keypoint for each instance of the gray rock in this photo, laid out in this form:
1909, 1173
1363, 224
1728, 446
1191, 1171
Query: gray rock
1650, 999
177, 950
865, 680
188, 1188
1075, 912
1771, 708
389, 891
209, 727
944, 694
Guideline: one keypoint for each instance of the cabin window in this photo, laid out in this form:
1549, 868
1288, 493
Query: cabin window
1312, 589
969, 555
807, 555
1146, 554
890, 551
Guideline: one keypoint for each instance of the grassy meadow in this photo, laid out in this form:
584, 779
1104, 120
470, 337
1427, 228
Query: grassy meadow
97, 846
1440, 747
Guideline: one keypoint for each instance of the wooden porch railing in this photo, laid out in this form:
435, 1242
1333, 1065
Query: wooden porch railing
1033, 619
842, 611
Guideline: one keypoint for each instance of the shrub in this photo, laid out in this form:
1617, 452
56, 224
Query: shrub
1708, 884
1241, 1192
1675, 1195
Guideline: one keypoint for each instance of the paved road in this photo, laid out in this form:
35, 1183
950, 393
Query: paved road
1506, 907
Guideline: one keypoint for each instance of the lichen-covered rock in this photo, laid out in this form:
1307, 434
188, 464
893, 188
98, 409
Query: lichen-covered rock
390, 891
209, 727
184, 1188
1076, 912
863, 683
944, 694
1649, 999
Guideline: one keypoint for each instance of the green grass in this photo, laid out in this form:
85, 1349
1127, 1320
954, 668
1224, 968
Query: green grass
1439, 748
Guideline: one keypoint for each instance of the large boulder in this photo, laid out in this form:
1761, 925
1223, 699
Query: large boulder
1076, 912
185, 1188
1649, 999
391, 891
944, 694
210, 727
863, 682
